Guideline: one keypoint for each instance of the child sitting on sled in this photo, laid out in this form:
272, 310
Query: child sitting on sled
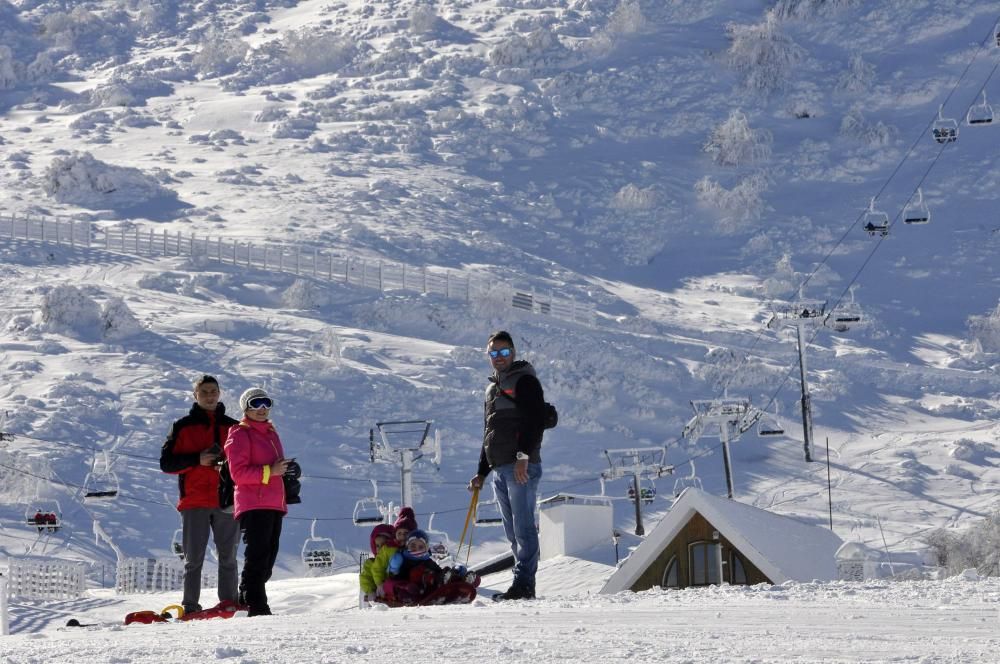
414, 575
374, 570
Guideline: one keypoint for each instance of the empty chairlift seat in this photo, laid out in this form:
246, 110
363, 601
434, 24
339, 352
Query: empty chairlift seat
916, 211
979, 114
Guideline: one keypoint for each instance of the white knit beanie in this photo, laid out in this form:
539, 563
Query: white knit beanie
252, 393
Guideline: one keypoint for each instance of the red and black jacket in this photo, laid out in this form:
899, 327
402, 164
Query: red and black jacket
181, 455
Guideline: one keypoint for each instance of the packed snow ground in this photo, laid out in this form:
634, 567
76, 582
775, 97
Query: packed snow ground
618, 151
931, 622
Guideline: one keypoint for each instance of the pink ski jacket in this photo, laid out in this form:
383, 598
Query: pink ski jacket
251, 448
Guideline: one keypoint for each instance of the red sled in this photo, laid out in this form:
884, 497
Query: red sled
144, 617
220, 610
456, 592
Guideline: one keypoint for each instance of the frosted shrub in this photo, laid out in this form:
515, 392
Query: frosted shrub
761, 54
86, 35
975, 547
631, 197
312, 54
219, 54
8, 76
859, 76
734, 143
83, 180
743, 202
855, 126
423, 19
986, 330
804, 9
627, 19
67, 308
304, 294
538, 50
118, 321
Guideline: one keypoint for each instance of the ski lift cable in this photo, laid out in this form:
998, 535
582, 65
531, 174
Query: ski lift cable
885, 185
913, 146
868, 258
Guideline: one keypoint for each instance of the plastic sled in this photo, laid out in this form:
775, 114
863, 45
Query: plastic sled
456, 592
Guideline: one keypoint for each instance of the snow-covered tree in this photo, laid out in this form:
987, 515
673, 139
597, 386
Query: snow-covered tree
8, 74
219, 54
734, 143
986, 330
762, 54
118, 321
977, 547
66, 308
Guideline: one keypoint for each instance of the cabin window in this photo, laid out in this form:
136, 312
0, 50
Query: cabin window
706, 563
738, 571
670, 575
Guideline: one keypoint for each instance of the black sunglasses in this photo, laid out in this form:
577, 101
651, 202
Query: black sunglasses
501, 352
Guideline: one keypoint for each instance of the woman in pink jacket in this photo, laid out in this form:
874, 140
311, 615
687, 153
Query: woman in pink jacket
257, 463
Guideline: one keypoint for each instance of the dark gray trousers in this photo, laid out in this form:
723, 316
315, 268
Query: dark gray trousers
225, 530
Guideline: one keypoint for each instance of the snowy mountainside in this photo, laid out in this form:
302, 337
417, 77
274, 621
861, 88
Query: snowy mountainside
624, 152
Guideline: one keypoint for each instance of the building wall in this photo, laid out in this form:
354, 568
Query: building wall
697, 529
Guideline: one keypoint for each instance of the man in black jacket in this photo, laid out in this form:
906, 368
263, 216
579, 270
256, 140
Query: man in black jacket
512, 439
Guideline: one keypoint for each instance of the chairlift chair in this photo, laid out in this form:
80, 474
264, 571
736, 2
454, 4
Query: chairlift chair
488, 512
945, 130
44, 515
177, 543
317, 552
440, 543
916, 211
647, 491
690, 480
370, 510
101, 483
980, 114
876, 221
768, 425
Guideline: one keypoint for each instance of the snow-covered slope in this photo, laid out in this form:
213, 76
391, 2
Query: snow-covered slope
675, 164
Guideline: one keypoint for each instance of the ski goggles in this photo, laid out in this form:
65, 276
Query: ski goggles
259, 402
501, 352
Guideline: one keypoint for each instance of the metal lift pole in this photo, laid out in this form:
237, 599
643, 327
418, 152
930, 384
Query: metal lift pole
406, 476
724, 434
807, 426
639, 529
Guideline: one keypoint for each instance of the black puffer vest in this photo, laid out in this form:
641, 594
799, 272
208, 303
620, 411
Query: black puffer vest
503, 423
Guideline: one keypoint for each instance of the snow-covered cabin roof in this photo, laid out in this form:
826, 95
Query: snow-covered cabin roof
781, 547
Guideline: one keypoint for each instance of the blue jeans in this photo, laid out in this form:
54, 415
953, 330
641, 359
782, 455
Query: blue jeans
517, 508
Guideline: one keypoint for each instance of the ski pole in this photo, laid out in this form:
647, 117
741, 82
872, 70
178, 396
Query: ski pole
469, 517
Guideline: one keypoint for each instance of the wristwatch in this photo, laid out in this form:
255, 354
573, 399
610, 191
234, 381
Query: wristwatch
521, 456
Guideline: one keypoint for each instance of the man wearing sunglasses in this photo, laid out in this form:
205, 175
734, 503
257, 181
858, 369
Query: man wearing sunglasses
512, 438
191, 451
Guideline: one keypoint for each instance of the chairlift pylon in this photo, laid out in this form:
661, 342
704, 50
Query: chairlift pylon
945, 130
876, 221
488, 511
101, 483
368, 511
317, 552
980, 114
916, 211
